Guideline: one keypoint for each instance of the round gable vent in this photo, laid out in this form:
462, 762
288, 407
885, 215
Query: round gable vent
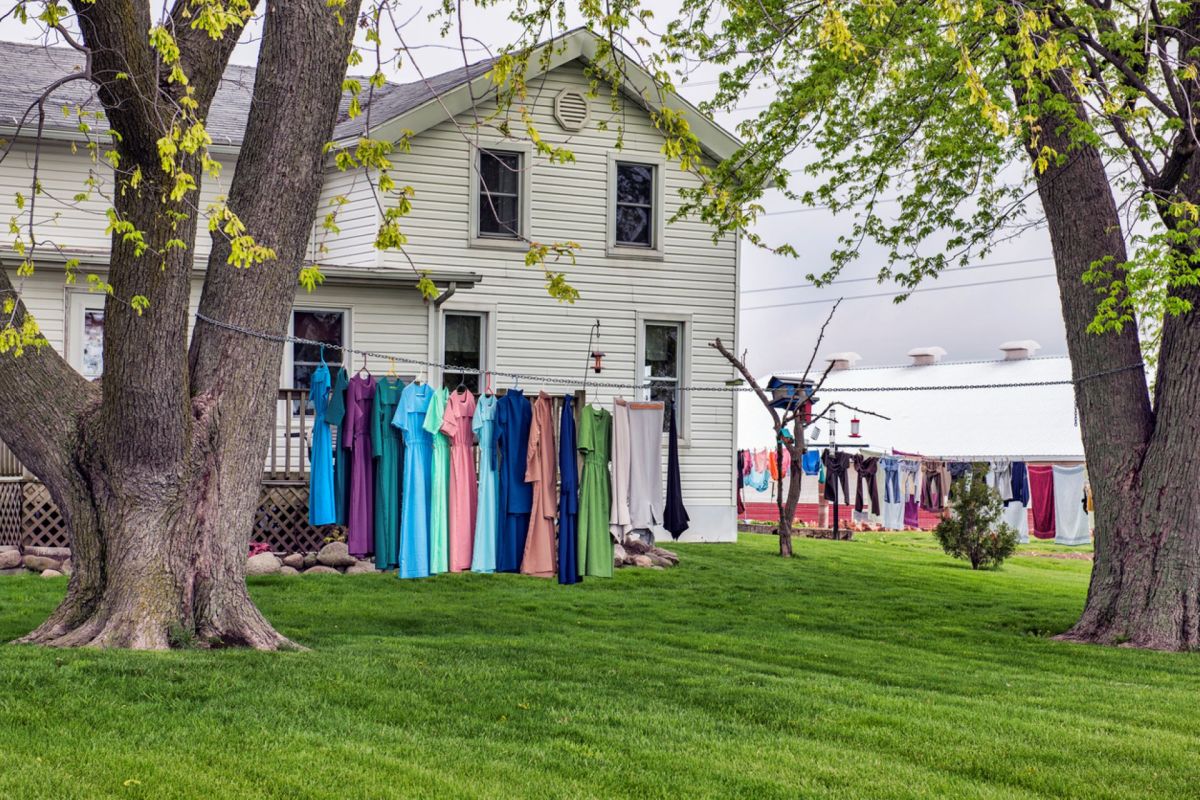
571, 109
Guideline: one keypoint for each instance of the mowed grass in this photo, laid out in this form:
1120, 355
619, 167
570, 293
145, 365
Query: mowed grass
878, 668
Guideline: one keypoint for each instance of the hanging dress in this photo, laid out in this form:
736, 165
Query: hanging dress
541, 472
418, 453
360, 517
595, 501
621, 464
513, 417
675, 515
568, 495
322, 509
483, 556
388, 448
336, 415
456, 425
439, 485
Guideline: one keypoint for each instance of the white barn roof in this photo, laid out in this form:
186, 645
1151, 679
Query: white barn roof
1035, 423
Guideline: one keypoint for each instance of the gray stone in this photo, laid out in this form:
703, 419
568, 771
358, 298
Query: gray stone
642, 561
321, 570
41, 563
295, 560
9, 548
286, 570
667, 554
51, 573
10, 559
658, 561
57, 553
361, 568
618, 554
336, 554
310, 559
68, 567
263, 564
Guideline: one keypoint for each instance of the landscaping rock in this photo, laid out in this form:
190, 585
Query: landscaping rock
68, 567
321, 570
636, 547
263, 564
618, 554
41, 563
286, 570
10, 559
336, 554
658, 561
667, 554
642, 561
295, 560
9, 548
310, 559
56, 553
361, 568
51, 573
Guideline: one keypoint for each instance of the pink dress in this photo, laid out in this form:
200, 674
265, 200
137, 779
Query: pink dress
456, 424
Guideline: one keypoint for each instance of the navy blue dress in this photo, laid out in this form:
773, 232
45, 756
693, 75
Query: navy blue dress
568, 497
513, 417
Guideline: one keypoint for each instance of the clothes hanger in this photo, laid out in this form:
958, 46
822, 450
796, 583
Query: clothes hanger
363, 368
462, 383
392, 369
487, 383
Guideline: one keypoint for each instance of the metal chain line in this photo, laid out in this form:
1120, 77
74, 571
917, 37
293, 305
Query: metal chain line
544, 379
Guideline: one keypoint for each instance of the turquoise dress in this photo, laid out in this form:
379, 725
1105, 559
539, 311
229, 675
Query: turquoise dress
483, 559
322, 510
439, 485
418, 452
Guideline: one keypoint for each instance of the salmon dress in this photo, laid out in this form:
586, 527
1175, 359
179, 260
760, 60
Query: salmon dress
439, 485
595, 500
541, 472
456, 425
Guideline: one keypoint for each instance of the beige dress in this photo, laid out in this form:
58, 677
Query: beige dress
645, 465
619, 522
541, 470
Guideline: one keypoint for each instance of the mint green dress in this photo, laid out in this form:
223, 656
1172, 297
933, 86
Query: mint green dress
439, 501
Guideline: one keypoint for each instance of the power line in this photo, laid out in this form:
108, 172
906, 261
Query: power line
861, 280
893, 294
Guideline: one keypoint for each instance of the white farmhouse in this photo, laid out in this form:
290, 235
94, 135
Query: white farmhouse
660, 290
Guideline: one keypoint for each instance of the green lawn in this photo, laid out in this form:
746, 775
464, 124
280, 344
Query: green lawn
875, 669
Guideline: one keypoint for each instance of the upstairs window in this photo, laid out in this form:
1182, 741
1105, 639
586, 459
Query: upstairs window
500, 194
635, 213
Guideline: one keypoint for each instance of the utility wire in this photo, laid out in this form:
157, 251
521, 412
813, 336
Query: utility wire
841, 281
893, 294
563, 381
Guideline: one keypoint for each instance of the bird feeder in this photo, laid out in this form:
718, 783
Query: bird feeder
854, 423
597, 358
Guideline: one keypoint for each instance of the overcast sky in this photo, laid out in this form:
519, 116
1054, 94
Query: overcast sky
779, 325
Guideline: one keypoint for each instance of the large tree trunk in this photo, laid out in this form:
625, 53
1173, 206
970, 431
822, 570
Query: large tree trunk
1145, 584
158, 474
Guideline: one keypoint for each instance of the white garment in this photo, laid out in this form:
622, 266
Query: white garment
893, 516
1070, 515
646, 498
1016, 516
619, 522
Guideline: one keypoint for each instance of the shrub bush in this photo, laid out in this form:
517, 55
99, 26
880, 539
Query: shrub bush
974, 531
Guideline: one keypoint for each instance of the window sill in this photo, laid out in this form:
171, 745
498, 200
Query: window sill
634, 252
487, 243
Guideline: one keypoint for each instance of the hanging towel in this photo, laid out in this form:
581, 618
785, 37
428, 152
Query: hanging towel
1070, 514
568, 495
810, 462
1020, 483
645, 465
1041, 491
675, 516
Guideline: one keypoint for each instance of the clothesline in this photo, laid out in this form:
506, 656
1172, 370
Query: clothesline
575, 381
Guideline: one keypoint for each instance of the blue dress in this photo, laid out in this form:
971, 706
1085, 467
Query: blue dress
336, 415
322, 509
418, 453
483, 557
568, 495
513, 417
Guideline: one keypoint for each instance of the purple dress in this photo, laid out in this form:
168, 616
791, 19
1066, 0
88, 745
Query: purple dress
357, 428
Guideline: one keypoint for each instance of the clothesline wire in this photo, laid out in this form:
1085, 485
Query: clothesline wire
564, 381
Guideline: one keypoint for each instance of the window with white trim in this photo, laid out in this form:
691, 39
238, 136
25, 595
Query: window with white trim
634, 215
499, 194
662, 363
464, 344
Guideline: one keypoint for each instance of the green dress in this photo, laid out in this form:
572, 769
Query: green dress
595, 494
439, 500
387, 446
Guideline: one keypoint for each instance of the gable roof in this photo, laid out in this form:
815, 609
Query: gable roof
396, 107
1033, 423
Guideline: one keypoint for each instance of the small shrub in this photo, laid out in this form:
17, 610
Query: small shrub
974, 531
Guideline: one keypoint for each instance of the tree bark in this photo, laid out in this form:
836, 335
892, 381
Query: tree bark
1145, 583
159, 471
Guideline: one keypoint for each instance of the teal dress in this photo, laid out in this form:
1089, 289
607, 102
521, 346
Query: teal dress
483, 558
335, 415
321, 507
439, 485
418, 452
387, 446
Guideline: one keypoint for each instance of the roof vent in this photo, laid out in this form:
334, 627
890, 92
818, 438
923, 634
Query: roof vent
924, 356
1020, 349
571, 109
841, 361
